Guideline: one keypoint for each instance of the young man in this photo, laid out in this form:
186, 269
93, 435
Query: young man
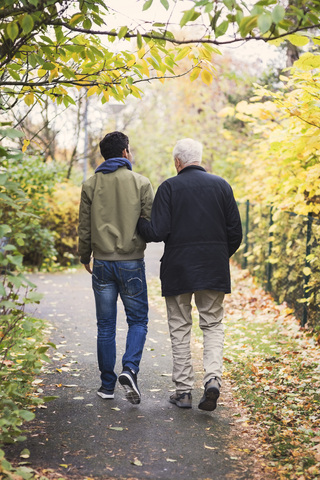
196, 215
112, 201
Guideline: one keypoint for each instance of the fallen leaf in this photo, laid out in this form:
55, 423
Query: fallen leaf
119, 429
170, 460
210, 448
25, 453
136, 462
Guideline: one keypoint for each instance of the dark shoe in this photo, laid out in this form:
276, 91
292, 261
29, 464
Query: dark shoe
104, 393
182, 400
211, 394
128, 380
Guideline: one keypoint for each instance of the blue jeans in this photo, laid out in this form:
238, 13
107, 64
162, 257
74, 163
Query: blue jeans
128, 279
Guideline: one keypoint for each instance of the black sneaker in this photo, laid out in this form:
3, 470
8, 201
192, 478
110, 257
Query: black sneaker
182, 400
104, 393
128, 380
211, 394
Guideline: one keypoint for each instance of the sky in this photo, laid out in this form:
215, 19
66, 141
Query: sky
129, 12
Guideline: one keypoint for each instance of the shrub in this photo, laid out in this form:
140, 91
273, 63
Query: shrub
61, 218
35, 181
22, 347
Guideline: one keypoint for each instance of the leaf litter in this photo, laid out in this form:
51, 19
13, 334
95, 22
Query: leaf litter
273, 365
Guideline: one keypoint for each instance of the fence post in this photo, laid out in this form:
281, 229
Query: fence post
246, 231
269, 265
307, 264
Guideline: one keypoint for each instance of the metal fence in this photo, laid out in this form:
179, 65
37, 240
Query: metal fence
282, 250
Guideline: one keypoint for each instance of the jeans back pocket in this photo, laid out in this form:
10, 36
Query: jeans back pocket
131, 280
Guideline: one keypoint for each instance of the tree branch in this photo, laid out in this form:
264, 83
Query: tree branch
175, 41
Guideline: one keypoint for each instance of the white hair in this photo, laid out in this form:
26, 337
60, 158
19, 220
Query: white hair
188, 151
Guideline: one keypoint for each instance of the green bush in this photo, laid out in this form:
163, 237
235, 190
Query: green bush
22, 345
23, 211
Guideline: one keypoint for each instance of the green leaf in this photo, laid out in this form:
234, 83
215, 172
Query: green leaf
25, 453
247, 24
50, 398
48, 66
183, 53
11, 133
26, 415
264, 22
222, 28
139, 40
229, 4
278, 13
187, 17
122, 32
87, 24
12, 30
214, 20
4, 229
147, 4
34, 297
27, 23
165, 3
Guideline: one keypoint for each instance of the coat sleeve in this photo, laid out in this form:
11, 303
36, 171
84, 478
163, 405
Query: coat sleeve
147, 200
84, 230
233, 223
158, 229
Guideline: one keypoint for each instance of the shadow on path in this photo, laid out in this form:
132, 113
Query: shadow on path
81, 435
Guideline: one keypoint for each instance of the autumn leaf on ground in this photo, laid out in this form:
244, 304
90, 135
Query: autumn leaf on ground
25, 453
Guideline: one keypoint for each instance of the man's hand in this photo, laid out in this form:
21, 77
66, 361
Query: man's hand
88, 268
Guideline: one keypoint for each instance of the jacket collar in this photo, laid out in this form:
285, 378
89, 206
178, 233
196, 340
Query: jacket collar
192, 167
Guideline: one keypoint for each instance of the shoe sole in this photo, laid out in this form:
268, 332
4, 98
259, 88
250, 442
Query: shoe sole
210, 402
131, 392
106, 396
180, 405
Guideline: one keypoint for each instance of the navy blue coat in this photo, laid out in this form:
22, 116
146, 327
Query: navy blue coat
197, 217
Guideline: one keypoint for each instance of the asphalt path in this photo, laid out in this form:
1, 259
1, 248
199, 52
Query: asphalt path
81, 435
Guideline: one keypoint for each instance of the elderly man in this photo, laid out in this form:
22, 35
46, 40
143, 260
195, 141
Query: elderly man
196, 215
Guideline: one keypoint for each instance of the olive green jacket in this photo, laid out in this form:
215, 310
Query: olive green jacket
110, 207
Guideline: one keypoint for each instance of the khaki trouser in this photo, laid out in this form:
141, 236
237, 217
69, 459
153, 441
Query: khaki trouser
210, 307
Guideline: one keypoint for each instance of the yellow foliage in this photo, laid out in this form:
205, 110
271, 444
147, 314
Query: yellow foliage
29, 99
282, 159
26, 144
62, 218
206, 77
226, 112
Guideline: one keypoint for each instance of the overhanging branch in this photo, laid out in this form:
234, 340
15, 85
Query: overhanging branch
175, 41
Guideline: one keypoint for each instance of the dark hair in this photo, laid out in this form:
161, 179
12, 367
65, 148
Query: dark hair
113, 144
